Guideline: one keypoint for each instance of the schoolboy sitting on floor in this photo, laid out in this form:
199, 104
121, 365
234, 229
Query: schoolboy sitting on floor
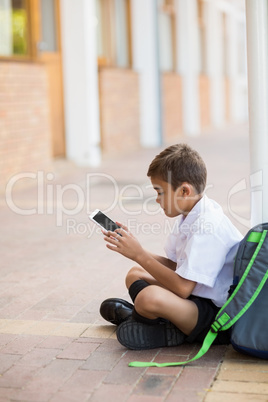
176, 298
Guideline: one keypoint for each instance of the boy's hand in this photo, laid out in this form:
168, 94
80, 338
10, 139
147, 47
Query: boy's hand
122, 241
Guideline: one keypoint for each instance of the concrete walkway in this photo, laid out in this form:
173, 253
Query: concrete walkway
55, 271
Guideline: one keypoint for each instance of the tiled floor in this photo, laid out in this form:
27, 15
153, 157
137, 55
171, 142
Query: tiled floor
66, 368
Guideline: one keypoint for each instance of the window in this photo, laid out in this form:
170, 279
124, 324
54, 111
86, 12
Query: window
14, 28
166, 24
48, 24
113, 32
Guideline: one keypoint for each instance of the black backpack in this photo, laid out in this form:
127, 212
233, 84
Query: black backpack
246, 310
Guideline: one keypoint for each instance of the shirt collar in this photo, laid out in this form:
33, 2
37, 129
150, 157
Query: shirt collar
185, 225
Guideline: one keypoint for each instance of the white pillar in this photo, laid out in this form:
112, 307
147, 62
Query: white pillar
214, 42
80, 73
146, 62
188, 63
257, 45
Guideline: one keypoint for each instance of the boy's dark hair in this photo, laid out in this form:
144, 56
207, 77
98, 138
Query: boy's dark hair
177, 164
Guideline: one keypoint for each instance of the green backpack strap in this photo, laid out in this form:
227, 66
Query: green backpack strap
223, 321
209, 339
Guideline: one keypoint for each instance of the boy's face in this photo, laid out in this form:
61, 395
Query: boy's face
173, 202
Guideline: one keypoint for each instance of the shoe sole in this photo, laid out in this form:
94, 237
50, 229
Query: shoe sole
138, 336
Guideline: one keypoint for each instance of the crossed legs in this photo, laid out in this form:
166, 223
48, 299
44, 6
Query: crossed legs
155, 301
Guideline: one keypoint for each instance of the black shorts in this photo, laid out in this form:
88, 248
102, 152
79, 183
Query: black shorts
207, 312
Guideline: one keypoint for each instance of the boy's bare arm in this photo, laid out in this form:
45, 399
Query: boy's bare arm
127, 245
165, 261
166, 276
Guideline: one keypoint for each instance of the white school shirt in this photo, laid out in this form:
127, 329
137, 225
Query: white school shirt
204, 245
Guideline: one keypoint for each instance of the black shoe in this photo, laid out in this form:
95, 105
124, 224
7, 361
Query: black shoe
138, 336
115, 310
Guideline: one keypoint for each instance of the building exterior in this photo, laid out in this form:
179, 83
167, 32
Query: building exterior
88, 78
